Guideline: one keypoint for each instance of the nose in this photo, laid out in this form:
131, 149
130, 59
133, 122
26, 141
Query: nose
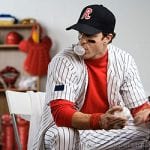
83, 41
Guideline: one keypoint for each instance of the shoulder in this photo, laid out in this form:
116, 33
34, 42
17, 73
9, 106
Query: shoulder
67, 53
118, 53
115, 49
67, 57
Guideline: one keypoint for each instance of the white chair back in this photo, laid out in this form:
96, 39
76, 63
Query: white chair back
29, 106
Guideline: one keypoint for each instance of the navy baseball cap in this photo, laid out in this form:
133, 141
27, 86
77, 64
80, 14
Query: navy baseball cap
95, 19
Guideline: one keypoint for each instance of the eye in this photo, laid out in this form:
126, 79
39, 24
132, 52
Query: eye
87, 37
91, 41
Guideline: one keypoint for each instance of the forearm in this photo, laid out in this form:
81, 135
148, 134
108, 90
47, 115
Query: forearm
65, 115
81, 120
97, 121
141, 114
135, 111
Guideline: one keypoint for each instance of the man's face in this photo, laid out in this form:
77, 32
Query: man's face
95, 45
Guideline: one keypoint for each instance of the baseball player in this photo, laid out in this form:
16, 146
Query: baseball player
94, 92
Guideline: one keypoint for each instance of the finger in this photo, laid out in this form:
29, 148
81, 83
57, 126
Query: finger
109, 124
113, 118
119, 126
115, 108
117, 122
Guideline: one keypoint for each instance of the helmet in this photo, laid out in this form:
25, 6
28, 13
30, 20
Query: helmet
13, 38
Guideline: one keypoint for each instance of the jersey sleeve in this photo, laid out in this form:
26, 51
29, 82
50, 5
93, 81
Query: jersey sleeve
61, 80
132, 90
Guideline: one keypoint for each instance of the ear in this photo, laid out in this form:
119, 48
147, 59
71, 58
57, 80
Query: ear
108, 38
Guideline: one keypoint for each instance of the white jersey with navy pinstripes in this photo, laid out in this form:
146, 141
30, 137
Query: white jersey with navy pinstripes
69, 71
68, 79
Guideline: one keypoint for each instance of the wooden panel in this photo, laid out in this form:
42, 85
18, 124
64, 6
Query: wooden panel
16, 26
3, 104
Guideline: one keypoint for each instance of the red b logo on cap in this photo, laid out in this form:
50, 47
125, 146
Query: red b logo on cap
86, 14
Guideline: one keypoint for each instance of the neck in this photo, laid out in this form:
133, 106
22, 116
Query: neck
102, 52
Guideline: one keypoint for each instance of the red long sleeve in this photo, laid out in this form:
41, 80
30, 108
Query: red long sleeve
62, 111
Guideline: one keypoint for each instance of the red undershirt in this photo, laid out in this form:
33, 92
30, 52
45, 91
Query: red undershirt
96, 97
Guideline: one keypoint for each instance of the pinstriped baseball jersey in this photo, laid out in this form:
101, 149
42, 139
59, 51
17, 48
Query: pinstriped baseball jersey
68, 78
69, 71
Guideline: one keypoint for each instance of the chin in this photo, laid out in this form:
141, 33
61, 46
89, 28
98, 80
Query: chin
85, 56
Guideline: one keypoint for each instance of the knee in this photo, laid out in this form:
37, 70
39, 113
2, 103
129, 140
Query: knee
56, 135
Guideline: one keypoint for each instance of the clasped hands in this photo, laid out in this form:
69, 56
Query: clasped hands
111, 120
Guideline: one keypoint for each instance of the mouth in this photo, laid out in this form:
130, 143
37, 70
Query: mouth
86, 50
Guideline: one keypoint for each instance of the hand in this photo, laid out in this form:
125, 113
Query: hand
142, 117
110, 121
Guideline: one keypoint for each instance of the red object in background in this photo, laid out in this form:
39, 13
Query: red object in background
13, 38
23, 129
38, 55
8, 137
9, 74
37, 47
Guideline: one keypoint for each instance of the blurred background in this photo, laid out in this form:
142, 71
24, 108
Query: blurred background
132, 26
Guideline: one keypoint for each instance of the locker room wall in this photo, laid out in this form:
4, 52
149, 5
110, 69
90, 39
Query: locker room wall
132, 26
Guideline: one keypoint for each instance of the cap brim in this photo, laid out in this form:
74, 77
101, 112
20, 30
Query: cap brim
84, 28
